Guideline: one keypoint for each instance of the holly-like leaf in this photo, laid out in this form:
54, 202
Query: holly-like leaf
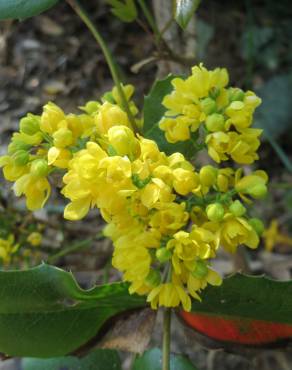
184, 10
152, 360
245, 310
97, 360
44, 313
154, 111
20, 9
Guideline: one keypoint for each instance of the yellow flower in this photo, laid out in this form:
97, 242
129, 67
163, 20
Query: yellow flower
272, 236
243, 146
208, 175
236, 231
94, 179
225, 179
110, 115
253, 184
189, 103
218, 144
134, 260
154, 192
196, 283
177, 129
169, 295
11, 171
169, 217
51, 118
185, 181
7, 248
240, 112
34, 239
151, 154
36, 190
59, 157
123, 141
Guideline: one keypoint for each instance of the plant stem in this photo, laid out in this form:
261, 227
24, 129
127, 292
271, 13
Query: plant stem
166, 339
80, 11
150, 19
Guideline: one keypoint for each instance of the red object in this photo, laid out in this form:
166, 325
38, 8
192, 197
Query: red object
237, 330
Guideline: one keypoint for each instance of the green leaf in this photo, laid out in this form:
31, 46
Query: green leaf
245, 310
184, 10
100, 359
152, 360
44, 313
19, 9
124, 10
154, 111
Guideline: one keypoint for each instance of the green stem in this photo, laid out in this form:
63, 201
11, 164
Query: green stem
150, 19
80, 11
166, 339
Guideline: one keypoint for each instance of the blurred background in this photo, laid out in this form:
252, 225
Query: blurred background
54, 57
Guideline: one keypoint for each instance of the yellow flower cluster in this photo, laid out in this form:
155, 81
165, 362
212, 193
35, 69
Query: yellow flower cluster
165, 218
7, 249
203, 105
47, 142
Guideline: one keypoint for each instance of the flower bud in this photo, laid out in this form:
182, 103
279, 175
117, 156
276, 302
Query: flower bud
34, 239
21, 157
208, 106
201, 269
215, 212
153, 278
215, 122
63, 137
236, 94
39, 168
91, 107
15, 146
252, 185
29, 125
237, 208
163, 254
123, 141
257, 225
110, 115
208, 175
258, 191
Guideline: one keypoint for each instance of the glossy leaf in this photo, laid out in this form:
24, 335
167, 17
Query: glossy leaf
100, 359
19, 9
44, 313
245, 310
152, 360
154, 111
184, 10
